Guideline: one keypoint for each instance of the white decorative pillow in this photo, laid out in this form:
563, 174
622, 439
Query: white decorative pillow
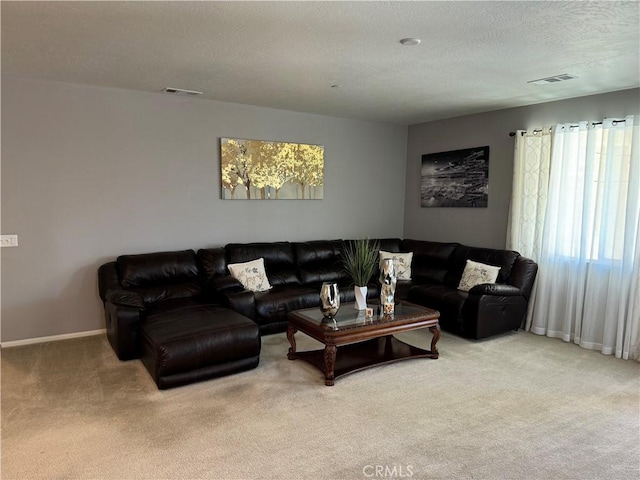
476, 273
401, 263
251, 275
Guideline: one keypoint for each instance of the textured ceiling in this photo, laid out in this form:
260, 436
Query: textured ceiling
474, 56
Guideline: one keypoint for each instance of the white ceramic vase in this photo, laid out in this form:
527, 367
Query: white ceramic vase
361, 297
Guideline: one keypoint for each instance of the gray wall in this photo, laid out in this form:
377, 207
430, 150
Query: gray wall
89, 173
488, 226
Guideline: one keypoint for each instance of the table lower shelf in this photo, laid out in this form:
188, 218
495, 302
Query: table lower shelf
359, 356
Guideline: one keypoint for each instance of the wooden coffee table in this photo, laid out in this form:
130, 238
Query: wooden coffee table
364, 342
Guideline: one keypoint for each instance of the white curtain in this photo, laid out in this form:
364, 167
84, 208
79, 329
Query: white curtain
575, 209
531, 181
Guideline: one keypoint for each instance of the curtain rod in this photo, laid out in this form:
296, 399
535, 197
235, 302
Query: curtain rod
593, 124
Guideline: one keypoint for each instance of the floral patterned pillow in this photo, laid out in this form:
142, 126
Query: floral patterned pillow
251, 275
477, 273
401, 263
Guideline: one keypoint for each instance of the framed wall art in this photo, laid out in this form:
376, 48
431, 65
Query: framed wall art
459, 178
264, 170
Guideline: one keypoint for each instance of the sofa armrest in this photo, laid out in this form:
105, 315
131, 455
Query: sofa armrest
107, 279
226, 284
125, 298
495, 289
122, 325
243, 302
523, 275
484, 315
219, 288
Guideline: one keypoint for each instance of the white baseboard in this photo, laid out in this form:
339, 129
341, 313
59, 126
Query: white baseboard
52, 338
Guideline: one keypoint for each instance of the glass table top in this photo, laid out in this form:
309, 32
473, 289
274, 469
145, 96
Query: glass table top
348, 317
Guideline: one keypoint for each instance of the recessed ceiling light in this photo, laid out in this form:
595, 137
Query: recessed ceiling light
407, 42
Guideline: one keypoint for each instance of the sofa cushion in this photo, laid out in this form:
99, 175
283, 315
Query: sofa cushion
213, 262
431, 260
157, 268
402, 289
160, 276
504, 259
194, 342
401, 263
390, 244
171, 304
251, 275
476, 273
279, 260
448, 301
214, 273
319, 261
160, 293
273, 306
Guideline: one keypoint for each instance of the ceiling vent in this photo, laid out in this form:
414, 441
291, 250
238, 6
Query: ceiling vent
556, 78
180, 91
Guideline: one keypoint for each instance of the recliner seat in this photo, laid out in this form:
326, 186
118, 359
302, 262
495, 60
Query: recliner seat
159, 309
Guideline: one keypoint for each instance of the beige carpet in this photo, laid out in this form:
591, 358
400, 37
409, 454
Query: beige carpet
517, 406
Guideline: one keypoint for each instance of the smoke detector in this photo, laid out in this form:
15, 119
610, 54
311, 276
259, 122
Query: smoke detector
556, 78
180, 91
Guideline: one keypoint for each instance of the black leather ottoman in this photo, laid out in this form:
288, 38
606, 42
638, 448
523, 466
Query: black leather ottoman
197, 342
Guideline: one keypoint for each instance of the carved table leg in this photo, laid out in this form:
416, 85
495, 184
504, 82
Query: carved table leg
329, 364
435, 330
290, 336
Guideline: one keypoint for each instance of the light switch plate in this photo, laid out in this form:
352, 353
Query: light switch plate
9, 240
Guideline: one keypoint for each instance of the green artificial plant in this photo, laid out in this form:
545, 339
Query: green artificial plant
360, 259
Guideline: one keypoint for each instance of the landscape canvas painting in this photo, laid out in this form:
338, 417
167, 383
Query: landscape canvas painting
263, 170
459, 178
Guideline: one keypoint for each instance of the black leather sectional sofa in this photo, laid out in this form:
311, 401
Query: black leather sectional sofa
188, 319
